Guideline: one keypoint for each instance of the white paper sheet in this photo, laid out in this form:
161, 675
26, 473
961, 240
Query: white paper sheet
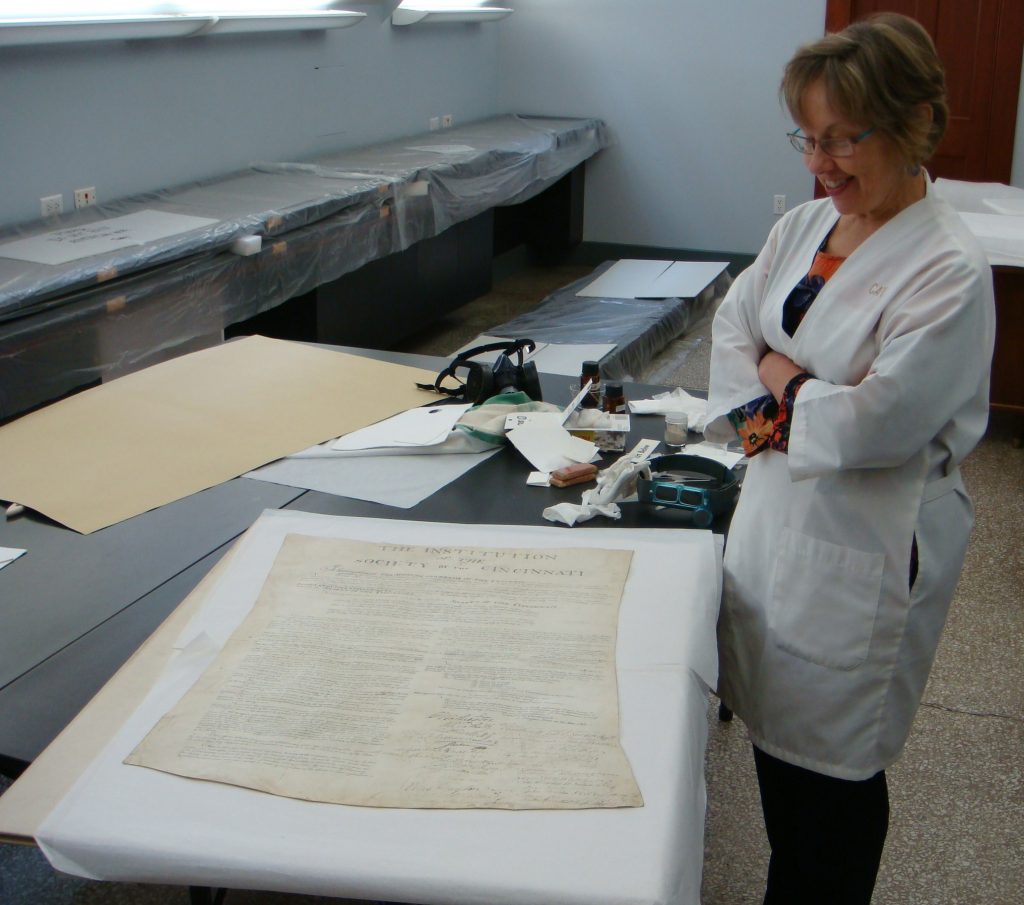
132, 824
74, 242
634, 279
9, 554
727, 457
574, 403
401, 480
425, 426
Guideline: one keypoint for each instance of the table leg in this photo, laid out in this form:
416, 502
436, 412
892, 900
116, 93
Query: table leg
11, 767
205, 895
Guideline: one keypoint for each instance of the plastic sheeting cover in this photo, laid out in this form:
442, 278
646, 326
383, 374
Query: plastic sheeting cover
462, 171
468, 169
64, 326
246, 203
640, 328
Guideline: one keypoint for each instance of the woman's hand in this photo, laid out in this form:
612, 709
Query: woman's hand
775, 371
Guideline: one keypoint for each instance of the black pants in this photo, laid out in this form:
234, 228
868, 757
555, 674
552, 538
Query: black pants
826, 834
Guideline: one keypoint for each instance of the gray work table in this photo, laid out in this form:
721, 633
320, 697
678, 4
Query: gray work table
75, 607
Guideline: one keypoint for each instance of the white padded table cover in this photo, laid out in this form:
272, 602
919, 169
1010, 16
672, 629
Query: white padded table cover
993, 213
133, 824
973, 196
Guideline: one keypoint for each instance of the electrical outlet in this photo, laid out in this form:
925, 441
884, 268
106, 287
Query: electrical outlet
447, 121
51, 205
85, 197
435, 123
779, 205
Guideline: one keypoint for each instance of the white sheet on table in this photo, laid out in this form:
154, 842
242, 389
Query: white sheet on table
568, 358
75, 242
1001, 235
973, 197
1013, 206
400, 477
643, 279
133, 824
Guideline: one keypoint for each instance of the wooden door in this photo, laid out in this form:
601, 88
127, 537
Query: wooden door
980, 44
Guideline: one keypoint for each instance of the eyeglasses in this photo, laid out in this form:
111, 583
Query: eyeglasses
834, 147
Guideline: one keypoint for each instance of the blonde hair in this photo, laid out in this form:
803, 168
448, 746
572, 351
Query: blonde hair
877, 72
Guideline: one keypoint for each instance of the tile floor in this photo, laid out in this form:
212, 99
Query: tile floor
957, 794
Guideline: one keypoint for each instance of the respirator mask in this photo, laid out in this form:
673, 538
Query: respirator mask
479, 382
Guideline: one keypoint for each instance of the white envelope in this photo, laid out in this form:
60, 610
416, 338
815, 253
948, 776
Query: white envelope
548, 446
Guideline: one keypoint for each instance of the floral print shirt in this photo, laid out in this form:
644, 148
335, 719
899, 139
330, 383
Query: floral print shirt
763, 423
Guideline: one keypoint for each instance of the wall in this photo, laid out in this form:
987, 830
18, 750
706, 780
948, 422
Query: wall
132, 117
689, 89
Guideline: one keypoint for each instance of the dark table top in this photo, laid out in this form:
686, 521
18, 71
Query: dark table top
75, 607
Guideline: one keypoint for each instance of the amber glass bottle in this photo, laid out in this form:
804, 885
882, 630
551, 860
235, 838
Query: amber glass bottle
614, 399
592, 372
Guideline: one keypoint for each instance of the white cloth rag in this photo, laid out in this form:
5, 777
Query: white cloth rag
615, 484
677, 400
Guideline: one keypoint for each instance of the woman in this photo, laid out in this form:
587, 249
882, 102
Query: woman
852, 359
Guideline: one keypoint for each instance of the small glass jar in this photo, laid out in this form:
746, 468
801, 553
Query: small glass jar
676, 426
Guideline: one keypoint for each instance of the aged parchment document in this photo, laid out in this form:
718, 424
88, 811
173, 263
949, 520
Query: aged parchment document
409, 676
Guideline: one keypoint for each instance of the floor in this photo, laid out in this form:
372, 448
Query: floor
957, 794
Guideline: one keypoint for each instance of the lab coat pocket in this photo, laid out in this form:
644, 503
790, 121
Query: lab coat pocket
824, 600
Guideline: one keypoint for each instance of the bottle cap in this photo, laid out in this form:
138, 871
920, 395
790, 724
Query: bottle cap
590, 369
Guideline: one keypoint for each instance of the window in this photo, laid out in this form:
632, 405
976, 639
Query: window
61, 21
410, 12
46, 9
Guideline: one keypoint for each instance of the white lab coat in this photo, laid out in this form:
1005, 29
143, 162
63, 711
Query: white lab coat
824, 649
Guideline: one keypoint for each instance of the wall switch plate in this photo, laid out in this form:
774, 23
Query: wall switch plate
435, 123
447, 121
51, 205
85, 197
